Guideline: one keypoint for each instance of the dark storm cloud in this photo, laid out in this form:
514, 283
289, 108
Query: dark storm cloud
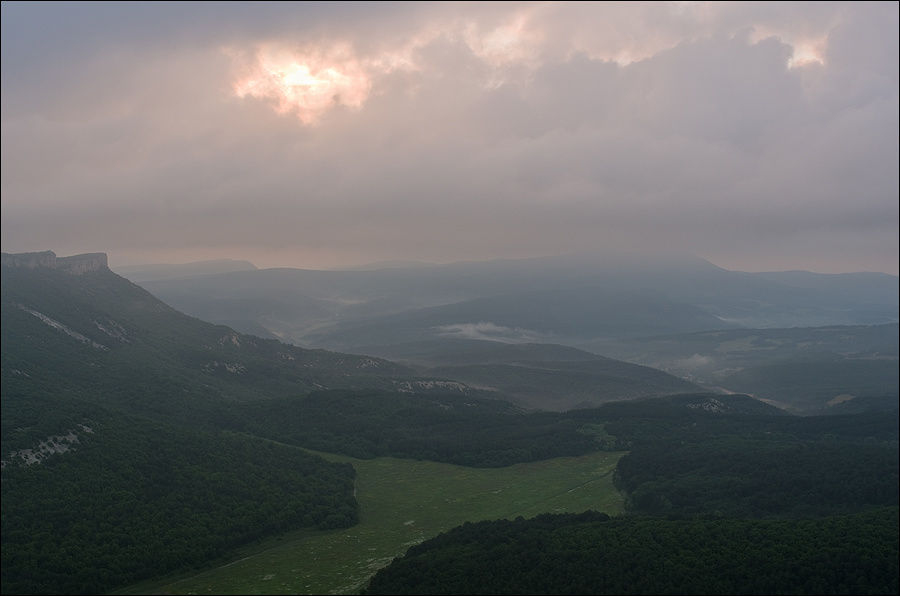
453, 131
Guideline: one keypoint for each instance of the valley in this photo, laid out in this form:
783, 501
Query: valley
220, 461
450, 298
796, 338
403, 502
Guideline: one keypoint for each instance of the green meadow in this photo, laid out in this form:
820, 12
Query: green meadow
403, 502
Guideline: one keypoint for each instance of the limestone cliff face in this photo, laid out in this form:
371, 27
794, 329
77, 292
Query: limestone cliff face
75, 265
78, 264
30, 260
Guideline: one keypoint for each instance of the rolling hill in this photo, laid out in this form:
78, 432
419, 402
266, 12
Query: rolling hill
566, 299
150, 272
114, 465
812, 368
137, 440
100, 337
538, 376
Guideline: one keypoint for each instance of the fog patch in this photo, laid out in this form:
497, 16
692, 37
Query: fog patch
694, 362
839, 399
488, 331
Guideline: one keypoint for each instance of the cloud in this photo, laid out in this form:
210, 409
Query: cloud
694, 362
317, 135
485, 330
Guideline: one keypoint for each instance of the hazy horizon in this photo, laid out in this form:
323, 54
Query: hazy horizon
757, 136
115, 264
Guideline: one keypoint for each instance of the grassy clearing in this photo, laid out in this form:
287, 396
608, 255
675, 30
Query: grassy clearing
403, 502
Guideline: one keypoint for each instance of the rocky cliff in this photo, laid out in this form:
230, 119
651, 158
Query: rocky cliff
76, 264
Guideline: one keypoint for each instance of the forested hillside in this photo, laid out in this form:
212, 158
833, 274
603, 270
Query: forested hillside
571, 299
724, 495
139, 441
99, 337
116, 464
440, 427
593, 554
132, 498
121, 458
812, 369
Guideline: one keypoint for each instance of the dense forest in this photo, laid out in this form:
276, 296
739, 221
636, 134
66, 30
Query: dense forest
166, 442
452, 428
753, 478
723, 497
135, 499
690, 460
591, 553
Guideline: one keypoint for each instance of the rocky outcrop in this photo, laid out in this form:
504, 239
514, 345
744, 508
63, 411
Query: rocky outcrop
75, 265
30, 260
78, 264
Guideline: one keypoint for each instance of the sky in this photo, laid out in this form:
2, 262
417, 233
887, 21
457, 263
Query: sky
760, 136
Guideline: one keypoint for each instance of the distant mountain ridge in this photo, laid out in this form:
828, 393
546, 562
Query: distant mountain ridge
80, 335
127, 329
150, 272
539, 376
113, 410
569, 300
810, 368
167, 441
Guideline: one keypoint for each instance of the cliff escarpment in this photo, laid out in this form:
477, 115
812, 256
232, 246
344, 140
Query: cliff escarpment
75, 265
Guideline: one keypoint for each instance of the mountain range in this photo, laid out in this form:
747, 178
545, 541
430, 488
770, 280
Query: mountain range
138, 440
725, 330
572, 300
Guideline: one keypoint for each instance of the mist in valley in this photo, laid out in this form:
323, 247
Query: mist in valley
464, 298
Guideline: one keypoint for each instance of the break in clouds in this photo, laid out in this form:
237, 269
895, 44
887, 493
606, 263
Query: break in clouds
759, 136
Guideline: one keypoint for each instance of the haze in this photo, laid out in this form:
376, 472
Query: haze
759, 136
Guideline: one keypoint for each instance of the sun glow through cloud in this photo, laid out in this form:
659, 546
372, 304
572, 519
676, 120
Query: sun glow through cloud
808, 52
311, 80
305, 83
805, 50
333, 133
